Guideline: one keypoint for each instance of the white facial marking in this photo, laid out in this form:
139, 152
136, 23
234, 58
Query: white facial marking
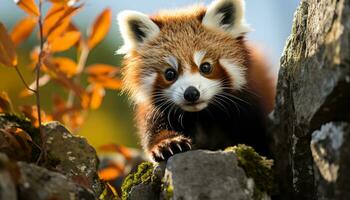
143, 94
198, 57
208, 89
236, 72
172, 61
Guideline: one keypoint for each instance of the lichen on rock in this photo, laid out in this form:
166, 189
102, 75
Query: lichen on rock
142, 176
257, 167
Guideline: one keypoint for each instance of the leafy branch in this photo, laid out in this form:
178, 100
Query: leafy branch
58, 33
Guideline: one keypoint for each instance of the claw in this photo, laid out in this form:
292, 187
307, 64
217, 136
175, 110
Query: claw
161, 155
171, 151
178, 146
188, 145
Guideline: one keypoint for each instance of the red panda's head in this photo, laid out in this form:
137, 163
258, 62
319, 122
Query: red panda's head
185, 57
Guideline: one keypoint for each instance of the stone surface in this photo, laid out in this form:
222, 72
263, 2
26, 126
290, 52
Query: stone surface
70, 172
330, 149
36, 183
7, 186
205, 175
72, 155
313, 89
143, 192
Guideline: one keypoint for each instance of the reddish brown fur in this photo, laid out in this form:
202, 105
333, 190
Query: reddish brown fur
182, 34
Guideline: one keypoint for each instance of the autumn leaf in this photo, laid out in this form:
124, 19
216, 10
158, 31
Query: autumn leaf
65, 41
58, 20
62, 79
5, 102
111, 172
100, 28
23, 29
102, 70
31, 112
66, 2
28, 6
107, 82
74, 119
97, 94
8, 56
65, 65
16, 143
106, 148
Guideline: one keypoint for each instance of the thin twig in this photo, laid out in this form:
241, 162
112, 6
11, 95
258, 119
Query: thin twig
24, 82
42, 156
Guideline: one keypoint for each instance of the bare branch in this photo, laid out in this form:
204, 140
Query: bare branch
23, 81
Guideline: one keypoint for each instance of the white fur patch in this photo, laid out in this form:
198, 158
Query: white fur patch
213, 17
198, 57
236, 72
148, 27
208, 89
172, 61
143, 94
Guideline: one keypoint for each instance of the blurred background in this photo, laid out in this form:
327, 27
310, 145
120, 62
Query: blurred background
113, 121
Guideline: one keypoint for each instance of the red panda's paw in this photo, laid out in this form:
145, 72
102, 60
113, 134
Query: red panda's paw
169, 147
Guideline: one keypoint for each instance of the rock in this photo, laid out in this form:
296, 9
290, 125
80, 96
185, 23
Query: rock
143, 192
72, 155
143, 184
236, 173
331, 152
69, 173
204, 175
313, 90
7, 186
37, 183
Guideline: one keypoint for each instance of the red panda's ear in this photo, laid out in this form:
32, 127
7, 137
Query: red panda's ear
135, 28
228, 16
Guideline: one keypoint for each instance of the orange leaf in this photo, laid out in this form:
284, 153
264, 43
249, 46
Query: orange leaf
74, 119
115, 148
5, 102
65, 41
66, 65
111, 172
58, 19
100, 28
102, 70
107, 82
23, 29
28, 6
61, 78
67, 2
97, 95
31, 112
8, 56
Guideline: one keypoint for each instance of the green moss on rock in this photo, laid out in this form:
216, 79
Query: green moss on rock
257, 167
143, 175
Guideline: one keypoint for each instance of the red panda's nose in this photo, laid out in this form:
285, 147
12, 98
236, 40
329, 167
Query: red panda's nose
191, 94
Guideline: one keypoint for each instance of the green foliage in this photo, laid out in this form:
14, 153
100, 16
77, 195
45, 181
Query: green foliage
257, 167
143, 175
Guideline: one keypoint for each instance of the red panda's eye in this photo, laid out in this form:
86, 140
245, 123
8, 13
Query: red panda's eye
205, 68
170, 74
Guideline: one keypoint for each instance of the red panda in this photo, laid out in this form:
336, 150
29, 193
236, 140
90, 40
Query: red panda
194, 80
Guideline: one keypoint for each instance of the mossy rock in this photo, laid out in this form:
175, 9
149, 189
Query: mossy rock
143, 176
257, 167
